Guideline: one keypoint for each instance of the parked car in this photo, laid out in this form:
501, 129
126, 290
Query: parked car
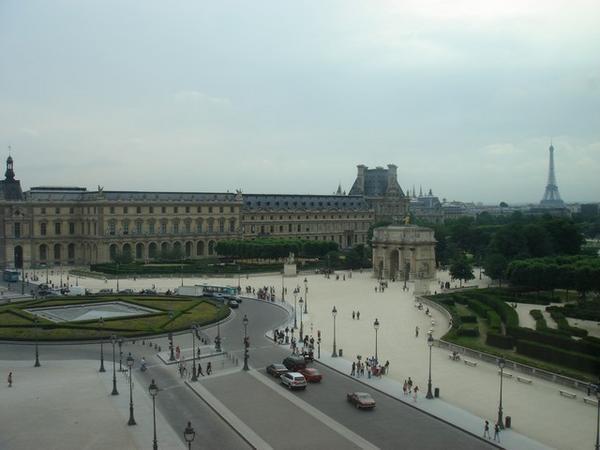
311, 374
105, 291
233, 304
294, 362
276, 370
293, 380
361, 400
126, 291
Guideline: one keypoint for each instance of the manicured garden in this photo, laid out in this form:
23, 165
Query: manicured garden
173, 314
484, 319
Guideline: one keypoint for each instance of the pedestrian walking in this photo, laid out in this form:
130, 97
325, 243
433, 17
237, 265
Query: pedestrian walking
353, 315
10, 379
208, 368
416, 331
200, 369
357, 315
386, 367
353, 371
405, 388
416, 392
497, 432
486, 430
410, 383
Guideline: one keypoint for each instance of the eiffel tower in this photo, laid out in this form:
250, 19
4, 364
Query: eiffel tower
551, 196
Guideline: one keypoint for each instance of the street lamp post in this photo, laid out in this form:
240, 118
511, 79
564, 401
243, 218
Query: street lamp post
501, 363
194, 329
376, 327
305, 296
171, 347
218, 338
598, 417
282, 287
153, 389
319, 346
117, 277
37, 353
246, 342
189, 434
120, 342
130, 362
101, 320
430, 343
113, 339
334, 313
295, 312
301, 319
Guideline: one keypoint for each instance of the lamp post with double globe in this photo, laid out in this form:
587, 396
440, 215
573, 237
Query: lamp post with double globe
305, 296
113, 339
153, 389
334, 314
501, 364
101, 320
430, 343
295, 311
301, 320
36, 322
194, 330
189, 434
376, 327
246, 342
130, 361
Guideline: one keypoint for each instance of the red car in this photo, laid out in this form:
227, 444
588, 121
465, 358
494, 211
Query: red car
361, 400
311, 374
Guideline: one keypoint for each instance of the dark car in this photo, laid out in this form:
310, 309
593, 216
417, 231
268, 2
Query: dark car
233, 304
276, 369
294, 363
311, 374
361, 400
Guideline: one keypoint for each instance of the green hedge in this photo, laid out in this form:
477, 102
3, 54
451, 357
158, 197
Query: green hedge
559, 356
563, 324
556, 340
540, 320
500, 341
469, 330
468, 318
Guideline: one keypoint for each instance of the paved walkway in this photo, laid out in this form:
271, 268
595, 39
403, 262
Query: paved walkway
68, 406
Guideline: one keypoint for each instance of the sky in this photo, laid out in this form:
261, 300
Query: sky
464, 96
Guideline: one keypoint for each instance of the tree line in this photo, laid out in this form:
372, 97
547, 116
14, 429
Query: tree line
274, 248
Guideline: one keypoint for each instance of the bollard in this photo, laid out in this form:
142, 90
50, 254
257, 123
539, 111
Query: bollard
143, 342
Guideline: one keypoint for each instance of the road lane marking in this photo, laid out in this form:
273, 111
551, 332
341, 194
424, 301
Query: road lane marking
320, 416
246, 433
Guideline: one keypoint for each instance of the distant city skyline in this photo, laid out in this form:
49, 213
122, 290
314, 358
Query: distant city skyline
269, 97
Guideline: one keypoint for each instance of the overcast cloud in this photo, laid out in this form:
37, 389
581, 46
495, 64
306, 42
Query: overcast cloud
288, 97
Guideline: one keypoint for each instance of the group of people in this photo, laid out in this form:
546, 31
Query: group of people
408, 389
486, 431
383, 285
183, 371
370, 367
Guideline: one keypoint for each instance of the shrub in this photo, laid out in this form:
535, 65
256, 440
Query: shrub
563, 324
559, 356
500, 341
540, 321
469, 330
468, 318
556, 339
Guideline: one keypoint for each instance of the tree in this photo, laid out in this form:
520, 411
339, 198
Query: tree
495, 266
461, 269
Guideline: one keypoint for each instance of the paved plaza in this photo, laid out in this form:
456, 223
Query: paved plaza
537, 410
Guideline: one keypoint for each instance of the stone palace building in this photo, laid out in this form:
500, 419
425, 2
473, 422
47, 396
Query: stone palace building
74, 226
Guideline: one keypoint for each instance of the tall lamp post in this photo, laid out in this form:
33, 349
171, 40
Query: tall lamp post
301, 319
246, 342
113, 339
334, 313
153, 389
101, 320
171, 347
430, 343
189, 434
598, 417
282, 287
37, 353
194, 329
305, 296
120, 342
130, 362
376, 327
295, 311
501, 363
218, 338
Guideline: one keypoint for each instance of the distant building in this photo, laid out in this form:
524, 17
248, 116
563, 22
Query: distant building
551, 197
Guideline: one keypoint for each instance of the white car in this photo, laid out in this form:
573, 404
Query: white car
293, 380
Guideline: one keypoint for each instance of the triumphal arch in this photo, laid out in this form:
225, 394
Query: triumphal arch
403, 252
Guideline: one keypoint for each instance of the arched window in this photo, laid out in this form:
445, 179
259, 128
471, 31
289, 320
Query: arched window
200, 248
43, 252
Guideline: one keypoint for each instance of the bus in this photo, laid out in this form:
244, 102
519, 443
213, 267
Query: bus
10, 275
199, 290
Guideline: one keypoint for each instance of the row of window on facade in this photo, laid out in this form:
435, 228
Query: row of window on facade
163, 227
188, 249
140, 209
316, 217
262, 229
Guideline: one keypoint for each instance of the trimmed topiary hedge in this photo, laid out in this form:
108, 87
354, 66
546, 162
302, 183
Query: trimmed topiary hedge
557, 340
500, 341
563, 324
468, 318
555, 355
469, 330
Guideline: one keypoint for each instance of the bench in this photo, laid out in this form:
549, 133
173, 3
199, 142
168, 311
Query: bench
505, 374
567, 394
590, 401
524, 380
470, 363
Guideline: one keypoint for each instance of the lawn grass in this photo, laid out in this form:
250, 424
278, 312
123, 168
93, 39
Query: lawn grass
17, 324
